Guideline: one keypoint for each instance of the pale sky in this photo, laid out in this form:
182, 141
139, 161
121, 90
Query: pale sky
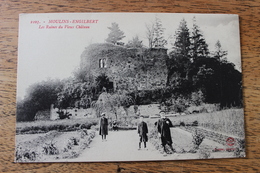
55, 53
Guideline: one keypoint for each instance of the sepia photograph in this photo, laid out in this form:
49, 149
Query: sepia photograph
116, 87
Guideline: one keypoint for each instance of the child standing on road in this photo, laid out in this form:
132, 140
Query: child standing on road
142, 131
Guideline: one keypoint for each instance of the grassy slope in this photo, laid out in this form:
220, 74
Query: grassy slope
230, 121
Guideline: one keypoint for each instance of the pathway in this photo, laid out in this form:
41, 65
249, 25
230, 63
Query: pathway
123, 146
120, 146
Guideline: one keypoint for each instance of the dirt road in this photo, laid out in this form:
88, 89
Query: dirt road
120, 146
123, 146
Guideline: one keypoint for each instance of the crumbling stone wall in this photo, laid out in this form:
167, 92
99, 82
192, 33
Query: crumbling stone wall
128, 69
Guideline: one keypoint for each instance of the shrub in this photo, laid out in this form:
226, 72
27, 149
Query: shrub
83, 133
197, 138
182, 123
74, 141
50, 149
25, 154
195, 123
197, 98
59, 125
204, 108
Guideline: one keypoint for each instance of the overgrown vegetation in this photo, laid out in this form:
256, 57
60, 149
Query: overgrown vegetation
59, 125
50, 149
53, 146
197, 139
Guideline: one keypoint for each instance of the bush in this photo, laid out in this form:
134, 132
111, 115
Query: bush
23, 154
50, 149
59, 125
74, 141
195, 123
204, 108
182, 123
197, 138
197, 98
83, 133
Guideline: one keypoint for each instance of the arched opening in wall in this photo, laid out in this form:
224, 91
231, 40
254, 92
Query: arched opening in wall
104, 62
100, 63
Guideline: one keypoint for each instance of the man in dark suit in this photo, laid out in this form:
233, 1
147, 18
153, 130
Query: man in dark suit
142, 131
163, 127
103, 129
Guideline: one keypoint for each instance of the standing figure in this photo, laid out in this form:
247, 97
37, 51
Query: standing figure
142, 131
163, 126
103, 129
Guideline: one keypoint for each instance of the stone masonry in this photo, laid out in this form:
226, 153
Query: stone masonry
128, 69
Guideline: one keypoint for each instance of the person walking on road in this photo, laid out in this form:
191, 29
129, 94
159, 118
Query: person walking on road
163, 127
142, 131
103, 129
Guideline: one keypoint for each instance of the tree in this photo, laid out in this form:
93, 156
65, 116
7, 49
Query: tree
182, 43
134, 43
179, 60
158, 40
199, 47
219, 81
39, 97
154, 34
149, 34
220, 54
115, 34
111, 102
76, 94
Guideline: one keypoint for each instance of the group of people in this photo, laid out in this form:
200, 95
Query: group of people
162, 125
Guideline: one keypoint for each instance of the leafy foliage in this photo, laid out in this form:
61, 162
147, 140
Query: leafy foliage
115, 34
155, 34
110, 102
76, 94
158, 40
149, 34
50, 149
39, 97
199, 47
182, 44
197, 138
179, 60
60, 125
219, 53
191, 69
134, 43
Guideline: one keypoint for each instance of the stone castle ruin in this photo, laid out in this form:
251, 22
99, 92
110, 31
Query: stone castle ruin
127, 68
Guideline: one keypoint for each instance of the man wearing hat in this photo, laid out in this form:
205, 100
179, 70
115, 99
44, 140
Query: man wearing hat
103, 129
163, 126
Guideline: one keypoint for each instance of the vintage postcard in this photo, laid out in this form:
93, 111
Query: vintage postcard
105, 87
